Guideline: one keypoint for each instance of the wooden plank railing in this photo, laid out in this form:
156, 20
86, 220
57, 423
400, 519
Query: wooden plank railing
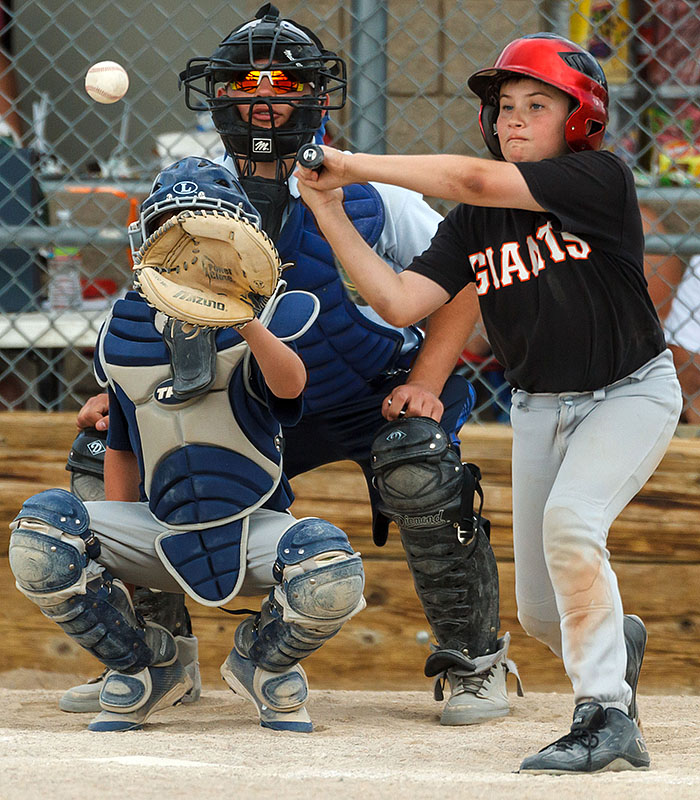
655, 546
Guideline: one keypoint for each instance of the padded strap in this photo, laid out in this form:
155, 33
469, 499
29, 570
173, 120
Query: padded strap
192, 358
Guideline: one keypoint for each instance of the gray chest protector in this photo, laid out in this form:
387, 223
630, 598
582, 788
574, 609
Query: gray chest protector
429, 493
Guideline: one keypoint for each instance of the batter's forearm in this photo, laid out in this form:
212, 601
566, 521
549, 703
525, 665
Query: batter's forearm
474, 181
395, 297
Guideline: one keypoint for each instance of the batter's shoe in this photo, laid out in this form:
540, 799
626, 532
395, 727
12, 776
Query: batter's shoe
600, 740
279, 697
86, 697
635, 642
478, 690
129, 700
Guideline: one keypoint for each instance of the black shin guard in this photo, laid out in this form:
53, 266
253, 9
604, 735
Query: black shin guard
429, 494
457, 586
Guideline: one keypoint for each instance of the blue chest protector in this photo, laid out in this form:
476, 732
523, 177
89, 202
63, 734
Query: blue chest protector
344, 350
209, 461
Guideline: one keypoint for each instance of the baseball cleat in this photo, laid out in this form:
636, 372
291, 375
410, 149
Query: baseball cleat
480, 694
127, 701
635, 642
600, 740
86, 697
279, 697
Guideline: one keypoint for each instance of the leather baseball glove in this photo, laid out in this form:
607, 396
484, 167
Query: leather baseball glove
208, 268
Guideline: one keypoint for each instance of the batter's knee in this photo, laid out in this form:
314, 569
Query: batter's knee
573, 546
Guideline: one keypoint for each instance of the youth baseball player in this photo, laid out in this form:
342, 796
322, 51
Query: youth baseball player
550, 232
196, 498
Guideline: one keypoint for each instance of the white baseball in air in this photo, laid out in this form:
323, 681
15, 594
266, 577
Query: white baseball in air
106, 82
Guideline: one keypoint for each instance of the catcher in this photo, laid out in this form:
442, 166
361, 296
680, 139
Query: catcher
196, 501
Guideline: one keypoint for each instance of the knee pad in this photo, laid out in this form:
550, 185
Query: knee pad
417, 473
321, 584
49, 547
321, 577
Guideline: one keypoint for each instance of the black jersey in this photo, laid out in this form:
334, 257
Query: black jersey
563, 294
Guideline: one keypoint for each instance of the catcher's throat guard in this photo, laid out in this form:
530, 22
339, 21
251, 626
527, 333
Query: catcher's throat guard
208, 268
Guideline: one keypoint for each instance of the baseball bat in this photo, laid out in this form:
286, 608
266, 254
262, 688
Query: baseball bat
311, 157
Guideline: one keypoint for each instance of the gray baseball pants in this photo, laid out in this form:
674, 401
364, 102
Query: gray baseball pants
128, 531
578, 460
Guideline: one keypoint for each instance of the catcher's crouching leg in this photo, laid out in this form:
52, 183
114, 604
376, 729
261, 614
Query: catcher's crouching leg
429, 494
321, 584
86, 467
51, 556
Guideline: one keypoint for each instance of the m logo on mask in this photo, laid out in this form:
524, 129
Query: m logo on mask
262, 145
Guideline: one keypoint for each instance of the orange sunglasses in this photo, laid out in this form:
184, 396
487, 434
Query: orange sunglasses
281, 82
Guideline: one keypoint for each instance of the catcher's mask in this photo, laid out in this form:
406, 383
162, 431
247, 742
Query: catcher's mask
558, 62
193, 182
265, 43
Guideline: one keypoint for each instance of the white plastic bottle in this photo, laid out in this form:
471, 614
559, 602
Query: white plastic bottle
65, 266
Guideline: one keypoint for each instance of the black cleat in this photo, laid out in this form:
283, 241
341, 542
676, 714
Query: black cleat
635, 642
600, 740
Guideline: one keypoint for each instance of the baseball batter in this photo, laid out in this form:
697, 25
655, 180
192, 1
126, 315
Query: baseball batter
550, 232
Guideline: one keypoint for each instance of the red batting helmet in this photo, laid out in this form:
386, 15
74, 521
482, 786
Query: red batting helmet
558, 62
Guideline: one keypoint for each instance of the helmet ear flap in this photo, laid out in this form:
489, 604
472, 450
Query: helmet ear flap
584, 132
488, 114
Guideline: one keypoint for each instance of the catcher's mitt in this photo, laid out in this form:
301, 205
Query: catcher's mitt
209, 268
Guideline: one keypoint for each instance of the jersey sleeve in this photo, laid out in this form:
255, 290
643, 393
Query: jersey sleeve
445, 261
590, 194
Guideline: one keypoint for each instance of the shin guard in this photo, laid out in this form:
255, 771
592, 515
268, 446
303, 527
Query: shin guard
429, 494
321, 585
50, 549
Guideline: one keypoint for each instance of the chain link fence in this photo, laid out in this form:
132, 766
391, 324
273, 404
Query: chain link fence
73, 171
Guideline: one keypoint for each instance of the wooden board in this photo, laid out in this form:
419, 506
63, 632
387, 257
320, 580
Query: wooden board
378, 649
655, 545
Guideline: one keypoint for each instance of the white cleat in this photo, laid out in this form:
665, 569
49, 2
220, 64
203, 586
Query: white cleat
478, 695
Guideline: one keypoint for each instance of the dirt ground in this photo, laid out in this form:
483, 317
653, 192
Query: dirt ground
365, 745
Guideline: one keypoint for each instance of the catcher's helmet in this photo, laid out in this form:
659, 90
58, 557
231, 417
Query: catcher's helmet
259, 44
558, 62
193, 182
